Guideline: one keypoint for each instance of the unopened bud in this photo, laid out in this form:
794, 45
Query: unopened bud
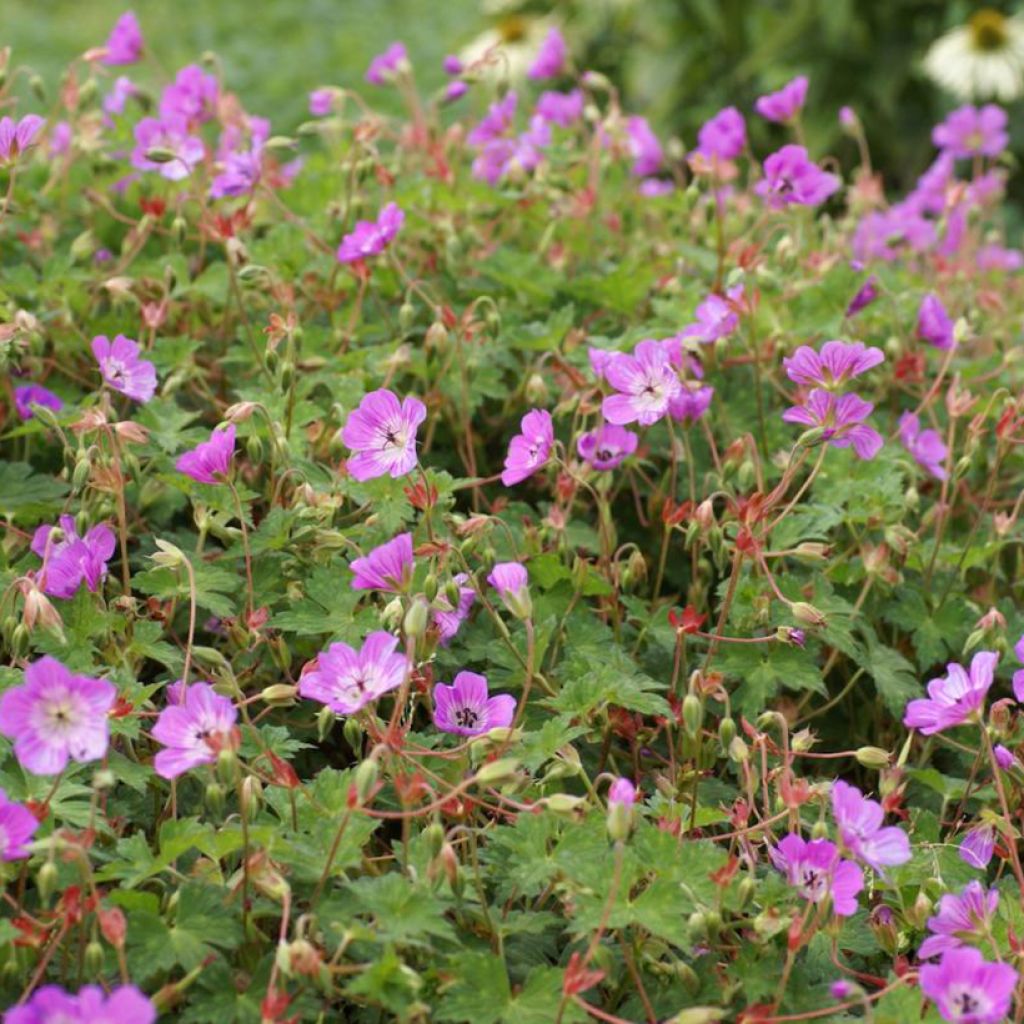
693, 715
46, 881
497, 772
873, 757
215, 797
94, 956
416, 618
807, 614
738, 750
325, 720
726, 732
366, 779
279, 695
227, 766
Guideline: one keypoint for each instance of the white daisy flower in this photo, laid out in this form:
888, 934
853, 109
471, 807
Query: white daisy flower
507, 50
983, 59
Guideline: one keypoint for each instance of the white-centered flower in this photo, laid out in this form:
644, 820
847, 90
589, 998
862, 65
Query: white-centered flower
983, 59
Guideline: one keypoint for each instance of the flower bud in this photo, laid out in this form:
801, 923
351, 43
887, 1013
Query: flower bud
497, 772
693, 715
819, 830
215, 798
325, 720
46, 881
726, 733
807, 614
391, 616
738, 750
251, 796
279, 695
430, 588
227, 766
873, 757
433, 836
366, 779
94, 958
565, 805
416, 618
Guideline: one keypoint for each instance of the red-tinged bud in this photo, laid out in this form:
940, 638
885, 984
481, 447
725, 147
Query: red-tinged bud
113, 925
794, 937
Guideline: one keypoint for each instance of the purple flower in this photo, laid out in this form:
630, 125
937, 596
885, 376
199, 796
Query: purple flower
321, 101
17, 136
977, 846
465, 709
387, 567
723, 137
930, 191
382, 433
34, 394
210, 461
455, 91
606, 447
841, 989
72, 559
934, 324
960, 919
785, 104
841, 417
716, 318
561, 108
955, 698
973, 131
115, 100
496, 122
528, 451
56, 715
847, 117
997, 257
1004, 757
866, 294
346, 679
124, 44
447, 619
60, 138
371, 237
881, 235
550, 61
191, 97
967, 989
691, 403
122, 368
193, 730
17, 826
500, 156
599, 359
385, 66
170, 135
645, 383
52, 1005
790, 178
644, 147
860, 826
452, 65
239, 173
817, 872
924, 445
653, 188
622, 792
512, 582
836, 363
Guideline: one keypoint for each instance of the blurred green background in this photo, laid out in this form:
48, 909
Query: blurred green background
677, 61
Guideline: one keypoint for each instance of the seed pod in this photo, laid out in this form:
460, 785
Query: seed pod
726, 733
94, 958
227, 766
430, 587
693, 715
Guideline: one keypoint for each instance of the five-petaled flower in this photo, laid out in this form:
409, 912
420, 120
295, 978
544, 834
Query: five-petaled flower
382, 433
841, 418
645, 384
122, 367
955, 698
465, 708
815, 869
860, 826
210, 461
967, 989
371, 237
387, 567
70, 560
346, 680
193, 730
529, 450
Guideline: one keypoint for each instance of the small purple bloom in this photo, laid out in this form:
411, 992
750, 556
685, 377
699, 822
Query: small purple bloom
977, 846
925, 446
599, 359
883, 234
934, 324
654, 188
841, 417
371, 237
644, 147
34, 394
528, 451
724, 136
60, 138
192, 730
512, 582
239, 173
465, 708
550, 61
210, 461
785, 104
836, 363
346, 680
455, 91
192, 97
645, 383
859, 820
960, 919
72, 559
115, 100
622, 792
841, 989
124, 44
973, 131
122, 368
847, 117
170, 135
967, 989
496, 122
790, 178
55, 716
817, 872
955, 698
321, 102
382, 433
387, 567
50, 1004
452, 65
1004, 757
866, 294
716, 318
606, 447
17, 826
18, 136
448, 619
561, 108
385, 66
997, 257
691, 403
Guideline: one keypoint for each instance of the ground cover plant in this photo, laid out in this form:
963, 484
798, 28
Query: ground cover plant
486, 565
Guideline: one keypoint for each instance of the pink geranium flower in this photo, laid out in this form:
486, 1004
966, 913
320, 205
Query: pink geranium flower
34, 394
717, 317
385, 66
926, 446
785, 104
346, 680
723, 137
125, 1004
382, 433
934, 324
184, 151
17, 826
550, 60
791, 178
967, 989
860, 826
645, 383
371, 237
123, 369
448, 618
973, 131
817, 872
528, 451
466, 709
124, 44
387, 567
606, 447
193, 730
643, 146
561, 108
56, 716
954, 698
18, 136
836, 363
191, 98
841, 418
512, 582
210, 461
961, 918
72, 560
691, 403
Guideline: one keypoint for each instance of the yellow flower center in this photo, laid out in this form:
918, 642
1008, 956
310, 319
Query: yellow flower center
513, 29
988, 30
